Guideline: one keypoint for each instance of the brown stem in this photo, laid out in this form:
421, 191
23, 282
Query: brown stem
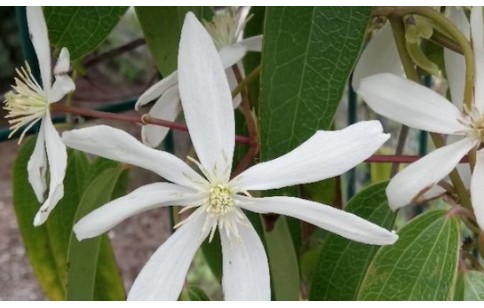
114, 52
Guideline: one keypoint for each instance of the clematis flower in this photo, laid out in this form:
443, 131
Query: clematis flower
218, 201
28, 103
419, 107
226, 30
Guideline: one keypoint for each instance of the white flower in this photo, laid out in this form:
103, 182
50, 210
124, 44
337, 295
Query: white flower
226, 29
29, 102
219, 200
416, 106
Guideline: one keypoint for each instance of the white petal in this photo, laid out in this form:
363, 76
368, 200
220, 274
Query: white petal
37, 165
324, 155
245, 267
118, 145
167, 107
157, 90
324, 216
142, 199
424, 173
455, 62
40, 40
477, 32
233, 83
57, 157
63, 63
229, 55
379, 56
163, 275
411, 104
477, 191
253, 43
63, 84
206, 99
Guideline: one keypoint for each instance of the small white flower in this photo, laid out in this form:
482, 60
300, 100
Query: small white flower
419, 107
226, 30
219, 200
29, 102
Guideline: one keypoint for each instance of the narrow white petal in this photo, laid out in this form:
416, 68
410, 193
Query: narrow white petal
57, 157
253, 43
411, 104
167, 107
324, 216
324, 155
206, 99
142, 199
477, 189
245, 267
426, 172
63, 84
379, 56
37, 165
157, 90
477, 32
118, 145
63, 63
455, 62
163, 275
229, 55
40, 40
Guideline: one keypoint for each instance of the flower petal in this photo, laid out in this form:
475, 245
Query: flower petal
157, 90
229, 55
167, 107
477, 32
477, 193
233, 83
245, 267
163, 275
40, 40
63, 63
63, 84
206, 99
379, 56
118, 145
37, 165
142, 199
324, 216
57, 157
455, 62
253, 43
411, 104
324, 155
426, 172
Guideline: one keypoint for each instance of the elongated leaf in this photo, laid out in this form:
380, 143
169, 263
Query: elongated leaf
83, 256
283, 261
474, 286
421, 265
308, 55
192, 293
81, 29
343, 263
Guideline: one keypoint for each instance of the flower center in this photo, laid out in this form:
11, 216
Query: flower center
224, 27
476, 124
220, 200
26, 103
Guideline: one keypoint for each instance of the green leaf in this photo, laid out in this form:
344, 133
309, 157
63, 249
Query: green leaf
83, 256
283, 261
342, 263
213, 255
161, 27
192, 293
474, 286
81, 29
308, 55
421, 265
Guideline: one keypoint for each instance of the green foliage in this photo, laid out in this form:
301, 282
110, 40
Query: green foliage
342, 262
421, 265
192, 293
81, 29
308, 55
474, 286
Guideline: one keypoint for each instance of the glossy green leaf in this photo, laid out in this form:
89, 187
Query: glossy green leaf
81, 29
474, 286
83, 256
459, 287
283, 263
308, 55
342, 263
421, 265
